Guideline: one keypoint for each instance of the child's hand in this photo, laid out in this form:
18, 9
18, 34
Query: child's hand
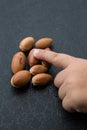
71, 81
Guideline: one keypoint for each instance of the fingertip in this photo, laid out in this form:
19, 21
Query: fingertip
36, 52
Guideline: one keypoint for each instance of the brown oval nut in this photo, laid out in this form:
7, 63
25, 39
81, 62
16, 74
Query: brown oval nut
41, 79
45, 63
36, 69
31, 59
18, 62
43, 43
26, 44
20, 79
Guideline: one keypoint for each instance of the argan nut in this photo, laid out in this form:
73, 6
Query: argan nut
45, 63
41, 79
18, 62
20, 79
36, 69
43, 43
31, 59
48, 49
26, 44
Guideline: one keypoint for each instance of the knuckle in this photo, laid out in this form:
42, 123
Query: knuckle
57, 80
70, 80
70, 103
60, 93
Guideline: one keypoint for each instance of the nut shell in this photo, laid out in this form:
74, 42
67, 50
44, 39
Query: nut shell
20, 79
31, 59
36, 69
43, 43
18, 62
41, 79
26, 44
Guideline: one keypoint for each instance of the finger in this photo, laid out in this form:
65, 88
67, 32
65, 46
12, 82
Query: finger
67, 104
57, 59
79, 99
59, 79
62, 92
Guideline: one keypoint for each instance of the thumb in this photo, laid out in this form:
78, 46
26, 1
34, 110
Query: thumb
57, 59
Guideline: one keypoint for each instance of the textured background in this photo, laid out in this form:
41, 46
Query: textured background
66, 22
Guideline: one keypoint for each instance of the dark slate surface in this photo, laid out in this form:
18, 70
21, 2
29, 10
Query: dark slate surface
66, 22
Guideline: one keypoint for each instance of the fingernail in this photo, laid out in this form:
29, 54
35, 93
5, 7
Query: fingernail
36, 52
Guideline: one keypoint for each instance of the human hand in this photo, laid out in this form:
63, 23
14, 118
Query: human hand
71, 81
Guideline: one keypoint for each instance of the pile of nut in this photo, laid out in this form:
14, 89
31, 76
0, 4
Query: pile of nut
37, 69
